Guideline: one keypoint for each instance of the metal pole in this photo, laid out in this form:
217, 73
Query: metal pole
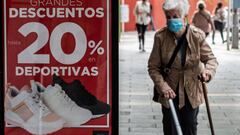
228, 27
235, 29
208, 108
175, 118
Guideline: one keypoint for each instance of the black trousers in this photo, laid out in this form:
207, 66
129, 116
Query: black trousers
220, 27
187, 117
141, 29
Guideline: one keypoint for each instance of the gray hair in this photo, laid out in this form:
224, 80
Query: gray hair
181, 5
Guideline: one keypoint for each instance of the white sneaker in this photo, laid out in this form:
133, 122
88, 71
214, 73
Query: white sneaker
25, 109
56, 99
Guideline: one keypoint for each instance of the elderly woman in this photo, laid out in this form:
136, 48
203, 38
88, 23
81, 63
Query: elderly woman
178, 78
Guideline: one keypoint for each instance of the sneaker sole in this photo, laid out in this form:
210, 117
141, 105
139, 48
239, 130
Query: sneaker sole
97, 116
10, 118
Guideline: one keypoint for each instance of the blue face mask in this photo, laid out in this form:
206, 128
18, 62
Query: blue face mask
175, 25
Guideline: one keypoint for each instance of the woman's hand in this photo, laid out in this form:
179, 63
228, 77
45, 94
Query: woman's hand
206, 76
169, 94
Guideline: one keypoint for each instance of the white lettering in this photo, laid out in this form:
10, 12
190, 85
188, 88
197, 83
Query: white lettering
79, 11
89, 12
51, 13
55, 70
56, 12
39, 12
13, 12
63, 71
100, 12
23, 12
33, 2
36, 70
60, 12
45, 71
19, 71
85, 72
28, 71
94, 71
69, 12
76, 71
31, 12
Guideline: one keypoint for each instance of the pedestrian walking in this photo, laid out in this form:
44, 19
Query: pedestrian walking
202, 18
142, 13
151, 24
219, 21
179, 56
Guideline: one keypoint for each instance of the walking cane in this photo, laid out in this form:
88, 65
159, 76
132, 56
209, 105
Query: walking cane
207, 105
175, 118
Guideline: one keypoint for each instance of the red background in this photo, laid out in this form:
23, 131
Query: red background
95, 29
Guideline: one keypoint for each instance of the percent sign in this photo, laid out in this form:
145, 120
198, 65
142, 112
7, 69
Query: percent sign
96, 47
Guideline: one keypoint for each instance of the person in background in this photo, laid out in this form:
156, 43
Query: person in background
151, 24
180, 81
142, 13
202, 19
219, 21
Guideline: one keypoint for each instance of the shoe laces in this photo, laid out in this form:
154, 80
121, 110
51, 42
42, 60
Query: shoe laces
37, 100
65, 97
69, 102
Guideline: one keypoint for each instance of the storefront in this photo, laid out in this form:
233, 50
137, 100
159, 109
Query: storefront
60, 67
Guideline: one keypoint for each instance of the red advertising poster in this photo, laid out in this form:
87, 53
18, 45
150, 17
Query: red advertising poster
57, 67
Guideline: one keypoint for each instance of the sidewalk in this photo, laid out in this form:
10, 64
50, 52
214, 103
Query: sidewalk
139, 115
